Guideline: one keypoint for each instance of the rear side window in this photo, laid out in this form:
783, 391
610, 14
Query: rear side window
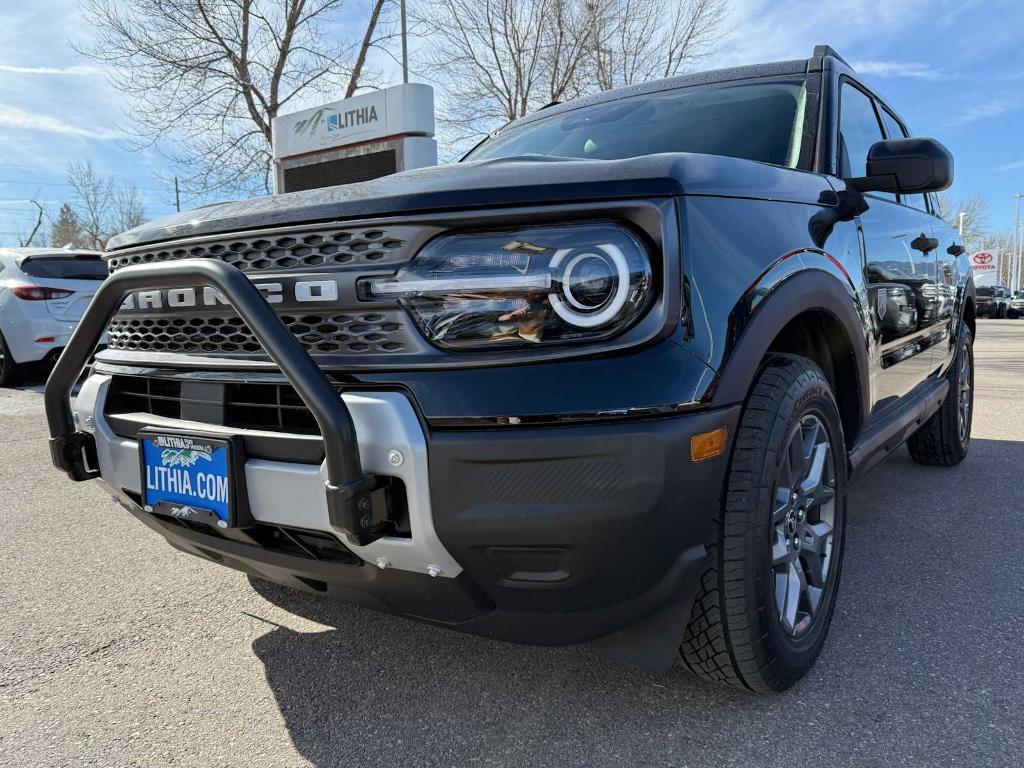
65, 267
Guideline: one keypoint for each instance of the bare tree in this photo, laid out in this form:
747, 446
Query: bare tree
491, 56
102, 208
502, 59
206, 78
127, 210
34, 235
976, 216
639, 40
95, 197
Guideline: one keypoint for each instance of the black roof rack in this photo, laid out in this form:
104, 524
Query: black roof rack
821, 51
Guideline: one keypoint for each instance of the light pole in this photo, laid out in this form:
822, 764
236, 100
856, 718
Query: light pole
1015, 282
405, 48
960, 226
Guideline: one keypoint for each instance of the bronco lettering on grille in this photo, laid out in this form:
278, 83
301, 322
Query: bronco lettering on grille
323, 290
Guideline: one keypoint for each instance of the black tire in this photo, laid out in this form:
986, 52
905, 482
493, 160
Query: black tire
9, 370
943, 440
736, 633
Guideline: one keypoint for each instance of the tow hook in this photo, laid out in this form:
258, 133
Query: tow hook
362, 510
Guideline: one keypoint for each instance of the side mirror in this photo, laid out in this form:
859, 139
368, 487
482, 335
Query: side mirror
907, 166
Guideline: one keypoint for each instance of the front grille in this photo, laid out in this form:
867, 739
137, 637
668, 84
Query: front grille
302, 250
354, 333
265, 406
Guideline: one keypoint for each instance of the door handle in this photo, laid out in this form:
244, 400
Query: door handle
924, 244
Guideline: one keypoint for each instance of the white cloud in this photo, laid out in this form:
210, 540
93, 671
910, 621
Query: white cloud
77, 70
912, 69
983, 111
1019, 165
12, 117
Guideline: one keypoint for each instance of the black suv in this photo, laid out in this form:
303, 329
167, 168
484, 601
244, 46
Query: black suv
607, 380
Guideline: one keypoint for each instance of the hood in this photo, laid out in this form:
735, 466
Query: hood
490, 183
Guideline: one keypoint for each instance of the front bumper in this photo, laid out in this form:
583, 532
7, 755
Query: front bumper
547, 536
553, 535
39, 339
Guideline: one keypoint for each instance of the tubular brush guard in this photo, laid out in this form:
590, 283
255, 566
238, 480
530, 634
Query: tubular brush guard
349, 490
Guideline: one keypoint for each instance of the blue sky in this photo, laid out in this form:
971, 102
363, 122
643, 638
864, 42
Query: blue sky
951, 68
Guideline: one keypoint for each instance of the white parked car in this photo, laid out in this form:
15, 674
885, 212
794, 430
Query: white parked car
43, 293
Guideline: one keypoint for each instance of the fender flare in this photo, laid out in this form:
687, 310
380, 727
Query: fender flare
970, 292
807, 290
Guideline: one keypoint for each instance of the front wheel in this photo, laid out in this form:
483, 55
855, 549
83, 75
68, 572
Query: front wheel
765, 603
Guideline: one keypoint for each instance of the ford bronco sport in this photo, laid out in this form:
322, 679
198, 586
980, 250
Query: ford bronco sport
605, 381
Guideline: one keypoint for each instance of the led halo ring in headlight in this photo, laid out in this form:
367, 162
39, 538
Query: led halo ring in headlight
538, 285
576, 311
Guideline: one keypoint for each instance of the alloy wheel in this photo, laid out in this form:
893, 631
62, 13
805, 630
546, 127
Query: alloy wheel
965, 396
803, 525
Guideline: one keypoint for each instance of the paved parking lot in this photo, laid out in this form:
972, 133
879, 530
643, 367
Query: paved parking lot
115, 650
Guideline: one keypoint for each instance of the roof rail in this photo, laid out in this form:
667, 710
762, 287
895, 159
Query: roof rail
821, 51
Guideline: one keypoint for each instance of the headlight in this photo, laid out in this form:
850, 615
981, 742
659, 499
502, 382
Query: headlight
531, 286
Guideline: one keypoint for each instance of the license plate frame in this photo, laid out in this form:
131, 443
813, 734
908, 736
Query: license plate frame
158, 499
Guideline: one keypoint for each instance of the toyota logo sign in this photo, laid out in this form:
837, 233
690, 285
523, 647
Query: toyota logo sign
984, 261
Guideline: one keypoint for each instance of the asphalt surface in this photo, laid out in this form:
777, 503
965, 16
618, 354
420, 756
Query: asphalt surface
115, 650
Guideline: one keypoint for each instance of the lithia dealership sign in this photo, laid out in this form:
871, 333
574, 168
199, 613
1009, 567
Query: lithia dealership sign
404, 110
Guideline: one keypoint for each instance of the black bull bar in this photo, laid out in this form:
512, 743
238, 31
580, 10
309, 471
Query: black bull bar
348, 488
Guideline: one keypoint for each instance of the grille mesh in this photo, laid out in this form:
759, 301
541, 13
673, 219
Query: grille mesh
353, 333
262, 253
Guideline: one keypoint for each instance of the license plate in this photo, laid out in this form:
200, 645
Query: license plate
193, 477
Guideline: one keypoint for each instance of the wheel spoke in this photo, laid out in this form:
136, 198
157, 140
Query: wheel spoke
816, 539
811, 438
782, 505
814, 553
814, 598
796, 458
811, 482
794, 586
780, 549
814, 571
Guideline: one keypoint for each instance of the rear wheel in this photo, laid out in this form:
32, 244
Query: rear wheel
8, 368
944, 439
765, 604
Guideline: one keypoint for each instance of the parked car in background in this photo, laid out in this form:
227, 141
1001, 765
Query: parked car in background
606, 380
993, 301
43, 293
1016, 305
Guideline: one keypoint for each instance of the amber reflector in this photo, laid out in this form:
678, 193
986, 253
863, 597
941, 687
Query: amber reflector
707, 445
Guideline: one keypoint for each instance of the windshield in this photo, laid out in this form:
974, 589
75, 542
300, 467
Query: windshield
760, 120
985, 291
65, 267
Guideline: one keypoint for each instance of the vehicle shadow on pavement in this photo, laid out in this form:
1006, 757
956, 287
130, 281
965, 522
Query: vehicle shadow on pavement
384, 690
32, 379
